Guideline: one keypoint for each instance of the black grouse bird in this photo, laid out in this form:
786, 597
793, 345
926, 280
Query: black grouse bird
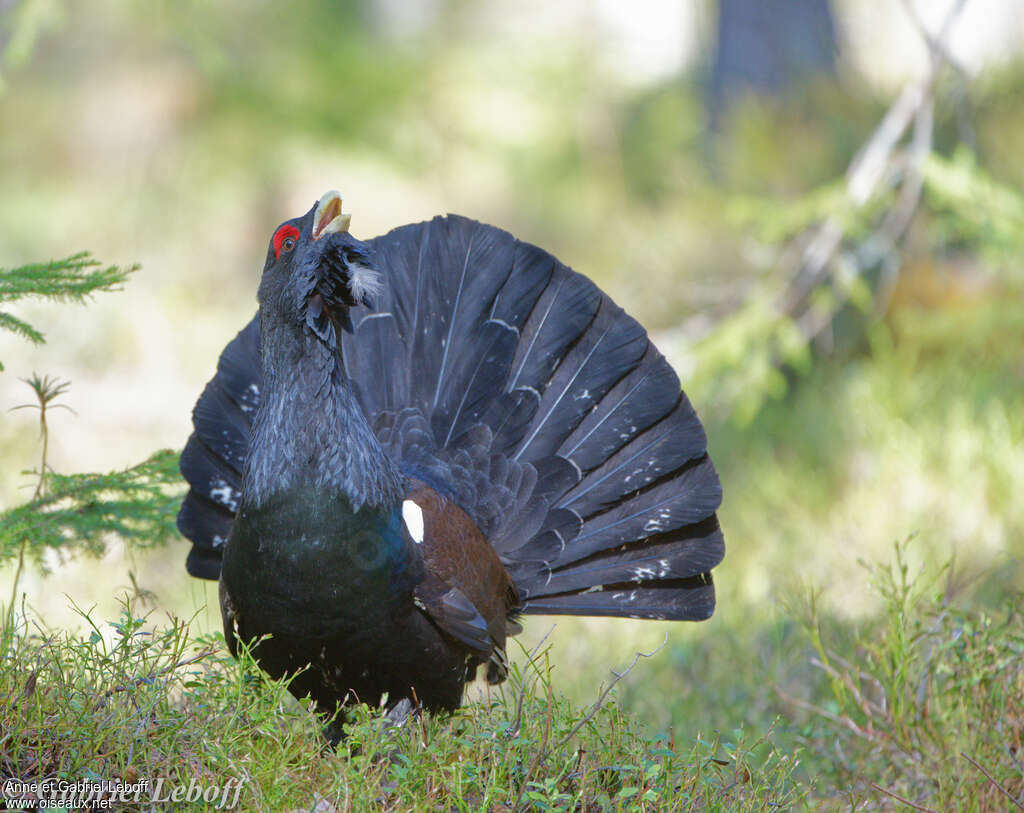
420, 437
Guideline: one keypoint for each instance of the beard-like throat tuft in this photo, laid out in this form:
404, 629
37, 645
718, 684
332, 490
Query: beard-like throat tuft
365, 283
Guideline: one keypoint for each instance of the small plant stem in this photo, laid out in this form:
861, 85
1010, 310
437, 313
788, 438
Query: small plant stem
899, 798
992, 779
44, 437
45, 392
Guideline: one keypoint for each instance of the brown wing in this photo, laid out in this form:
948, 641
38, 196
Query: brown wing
467, 582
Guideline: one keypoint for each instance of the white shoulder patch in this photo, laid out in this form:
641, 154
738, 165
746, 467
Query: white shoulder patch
413, 516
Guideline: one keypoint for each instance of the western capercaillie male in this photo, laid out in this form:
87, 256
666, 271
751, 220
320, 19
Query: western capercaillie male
422, 436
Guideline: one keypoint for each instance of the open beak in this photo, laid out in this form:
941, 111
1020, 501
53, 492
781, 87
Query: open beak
328, 217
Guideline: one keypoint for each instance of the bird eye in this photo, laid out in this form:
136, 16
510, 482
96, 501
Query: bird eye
285, 239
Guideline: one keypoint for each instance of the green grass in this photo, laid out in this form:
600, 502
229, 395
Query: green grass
132, 702
923, 703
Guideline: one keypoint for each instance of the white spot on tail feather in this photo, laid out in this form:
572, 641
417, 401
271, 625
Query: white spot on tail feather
222, 492
527, 388
656, 524
412, 514
504, 324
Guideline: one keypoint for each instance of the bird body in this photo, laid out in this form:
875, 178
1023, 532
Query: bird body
343, 598
425, 435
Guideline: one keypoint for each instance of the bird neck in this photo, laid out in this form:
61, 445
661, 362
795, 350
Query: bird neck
309, 431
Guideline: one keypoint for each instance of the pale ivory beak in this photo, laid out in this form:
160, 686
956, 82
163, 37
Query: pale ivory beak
328, 217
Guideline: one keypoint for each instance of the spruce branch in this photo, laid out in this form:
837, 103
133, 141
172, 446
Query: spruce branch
69, 280
21, 328
78, 512
73, 279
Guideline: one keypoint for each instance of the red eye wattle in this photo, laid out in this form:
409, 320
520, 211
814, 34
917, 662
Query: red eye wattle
285, 239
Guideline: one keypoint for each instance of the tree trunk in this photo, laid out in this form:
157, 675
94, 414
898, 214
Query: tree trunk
766, 46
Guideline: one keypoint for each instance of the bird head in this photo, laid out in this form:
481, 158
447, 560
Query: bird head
316, 271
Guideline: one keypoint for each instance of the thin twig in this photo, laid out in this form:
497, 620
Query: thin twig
521, 694
899, 798
867, 172
869, 708
865, 676
991, 779
419, 713
938, 50
205, 653
898, 219
600, 700
535, 762
863, 176
843, 721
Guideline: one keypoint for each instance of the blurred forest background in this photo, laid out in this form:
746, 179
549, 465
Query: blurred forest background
814, 207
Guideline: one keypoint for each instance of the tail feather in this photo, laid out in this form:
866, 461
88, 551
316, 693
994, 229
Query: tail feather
655, 453
239, 379
369, 355
223, 427
479, 375
687, 496
530, 275
561, 315
207, 525
446, 296
214, 457
208, 475
691, 599
678, 554
509, 416
611, 347
482, 260
636, 402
